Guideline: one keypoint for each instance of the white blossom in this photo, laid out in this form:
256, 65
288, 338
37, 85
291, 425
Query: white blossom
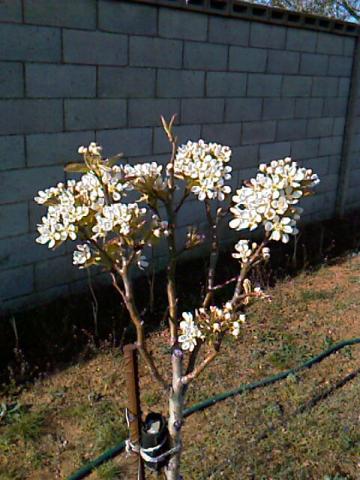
118, 217
243, 251
265, 253
270, 198
204, 168
81, 255
190, 333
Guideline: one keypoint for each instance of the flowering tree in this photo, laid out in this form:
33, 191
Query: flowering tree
114, 233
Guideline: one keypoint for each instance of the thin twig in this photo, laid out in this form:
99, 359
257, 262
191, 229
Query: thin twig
128, 298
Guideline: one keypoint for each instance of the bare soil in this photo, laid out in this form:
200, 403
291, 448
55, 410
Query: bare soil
305, 427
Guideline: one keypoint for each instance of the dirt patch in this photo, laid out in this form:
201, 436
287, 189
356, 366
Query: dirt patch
278, 432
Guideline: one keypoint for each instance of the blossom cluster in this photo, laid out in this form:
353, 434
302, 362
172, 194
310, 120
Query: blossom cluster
204, 168
92, 209
244, 251
208, 324
271, 197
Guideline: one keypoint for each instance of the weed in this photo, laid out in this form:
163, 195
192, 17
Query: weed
110, 471
316, 295
151, 398
108, 424
24, 425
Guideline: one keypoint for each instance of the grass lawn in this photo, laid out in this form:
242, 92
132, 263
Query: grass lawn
305, 427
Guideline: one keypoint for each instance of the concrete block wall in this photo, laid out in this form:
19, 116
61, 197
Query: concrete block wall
105, 70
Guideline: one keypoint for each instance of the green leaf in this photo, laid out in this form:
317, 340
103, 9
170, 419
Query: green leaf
76, 168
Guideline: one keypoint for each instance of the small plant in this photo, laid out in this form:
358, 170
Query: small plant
116, 234
110, 471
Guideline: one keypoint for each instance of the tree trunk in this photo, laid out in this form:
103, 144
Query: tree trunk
176, 405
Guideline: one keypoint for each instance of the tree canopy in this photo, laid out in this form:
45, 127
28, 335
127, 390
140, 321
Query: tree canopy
343, 9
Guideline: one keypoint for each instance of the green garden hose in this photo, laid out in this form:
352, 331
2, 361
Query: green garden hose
113, 452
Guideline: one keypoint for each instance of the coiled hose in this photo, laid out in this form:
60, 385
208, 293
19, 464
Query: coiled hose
117, 449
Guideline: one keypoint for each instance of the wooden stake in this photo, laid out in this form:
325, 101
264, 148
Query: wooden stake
133, 409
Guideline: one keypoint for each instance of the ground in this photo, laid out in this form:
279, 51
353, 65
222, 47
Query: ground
305, 427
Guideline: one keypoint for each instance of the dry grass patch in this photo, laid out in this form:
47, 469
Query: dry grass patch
306, 427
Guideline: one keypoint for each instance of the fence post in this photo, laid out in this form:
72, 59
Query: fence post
350, 120
133, 409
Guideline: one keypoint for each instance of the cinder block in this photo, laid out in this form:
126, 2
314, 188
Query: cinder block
56, 271
305, 148
205, 56
184, 25
28, 43
44, 80
349, 46
11, 80
283, 62
264, 85
245, 157
228, 30
124, 82
132, 142
202, 110
14, 219
10, 11
155, 52
314, 64
147, 112
95, 48
320, 127
56, 148
183, 83
22, 250
335, 107
30, 116
328, 183
267, 36
355, 143
339, 125
240, 109
291, 129
258, 132
324, 87
354, 161
224, 133
183, 133
296, 86
330, 43
225, 84
16, 282
126, 17
44, 297
193, 212
344, 87
318, 202
334, 162
247, 59
247, 173
330, 146
274, 151
94, 114
352, 197
12, 152
308, 107
278, 108
67, 13
340, 66
301, 40
20, 185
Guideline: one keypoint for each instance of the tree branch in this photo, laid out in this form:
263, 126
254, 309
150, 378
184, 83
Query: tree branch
128, 298
189, 377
